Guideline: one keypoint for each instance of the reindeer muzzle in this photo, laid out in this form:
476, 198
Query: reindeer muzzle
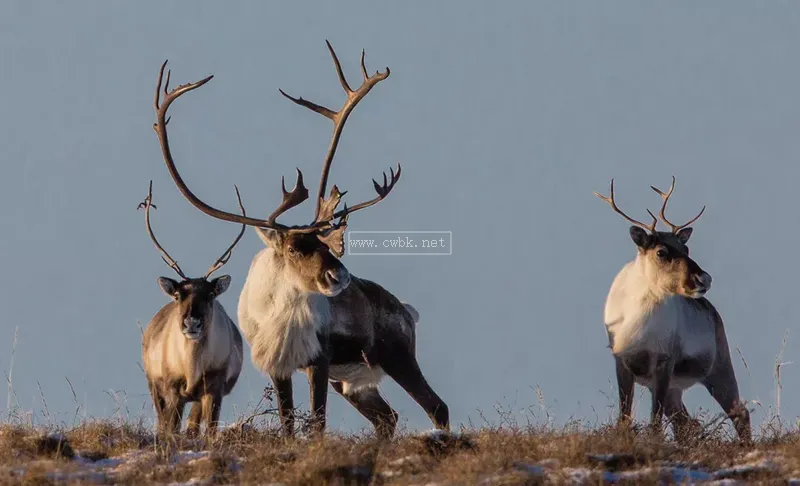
192, 328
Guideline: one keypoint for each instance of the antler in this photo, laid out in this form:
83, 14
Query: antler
227, 254
326, 207
666, 197
146, 204
295, 197
610, 201
290, 199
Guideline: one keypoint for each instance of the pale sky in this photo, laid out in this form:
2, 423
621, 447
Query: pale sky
505, 116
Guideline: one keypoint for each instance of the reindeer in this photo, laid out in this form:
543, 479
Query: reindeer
663, 332
191, 349
301, 309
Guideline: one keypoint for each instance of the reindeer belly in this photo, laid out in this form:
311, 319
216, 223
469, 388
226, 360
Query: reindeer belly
689, 344
687, 370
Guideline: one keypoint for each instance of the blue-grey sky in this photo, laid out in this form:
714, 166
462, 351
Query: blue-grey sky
506, 116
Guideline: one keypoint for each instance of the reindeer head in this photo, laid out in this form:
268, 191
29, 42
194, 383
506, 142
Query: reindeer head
194, 296
195, 299
665, 254
309, 254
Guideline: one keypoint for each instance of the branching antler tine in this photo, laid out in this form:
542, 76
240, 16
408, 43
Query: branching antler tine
338, 67
221, 261
382, 190
611, 202
339, 118
326, 112
364, 66
693, 219
157, 101
377, 74
290, 198
665, 196
655, 220
166, 84
146, 204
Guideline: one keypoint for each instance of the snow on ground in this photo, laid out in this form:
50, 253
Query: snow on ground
104, 471
608, 469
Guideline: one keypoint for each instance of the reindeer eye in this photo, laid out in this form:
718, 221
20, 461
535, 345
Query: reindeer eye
291, 250
662, 254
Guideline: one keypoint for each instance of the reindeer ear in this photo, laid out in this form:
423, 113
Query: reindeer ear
684, 234
640, 237
270, 237
168, 286
221, 284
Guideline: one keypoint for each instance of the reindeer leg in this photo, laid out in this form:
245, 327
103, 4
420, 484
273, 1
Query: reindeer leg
660, 389
158, 404
179, 415
318, 374
405, 371
283, 388
625, 387
193, 422
721, 384
373, 407
173, 411
211, 404
683, 424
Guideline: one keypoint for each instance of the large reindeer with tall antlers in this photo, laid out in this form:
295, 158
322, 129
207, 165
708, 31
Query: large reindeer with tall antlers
663, 332
300, 307
191, 349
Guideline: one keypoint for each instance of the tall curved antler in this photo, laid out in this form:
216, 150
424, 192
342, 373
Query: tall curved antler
326, 207
327, 230
610, 200
665, 196
146, 204
160, 127
221, 261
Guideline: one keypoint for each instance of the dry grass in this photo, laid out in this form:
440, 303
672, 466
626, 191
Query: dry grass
258, 456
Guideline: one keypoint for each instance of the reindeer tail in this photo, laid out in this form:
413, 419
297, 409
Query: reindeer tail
411, 310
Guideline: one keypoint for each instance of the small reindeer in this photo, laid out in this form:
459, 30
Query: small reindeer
663, 332
302, 309
191, 349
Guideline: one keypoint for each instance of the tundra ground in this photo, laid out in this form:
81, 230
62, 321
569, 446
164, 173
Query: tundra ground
109, 452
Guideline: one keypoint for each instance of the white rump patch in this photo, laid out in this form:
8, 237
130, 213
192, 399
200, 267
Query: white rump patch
356, 376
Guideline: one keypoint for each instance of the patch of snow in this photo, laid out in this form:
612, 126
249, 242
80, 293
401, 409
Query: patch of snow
531, 470
193, 482
577, 474
412, 459
83, 476
762, 466
671, 474
550, 463
437, 433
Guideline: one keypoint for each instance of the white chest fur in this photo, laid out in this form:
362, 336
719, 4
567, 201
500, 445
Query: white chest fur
638, 319
174, 355
279, 322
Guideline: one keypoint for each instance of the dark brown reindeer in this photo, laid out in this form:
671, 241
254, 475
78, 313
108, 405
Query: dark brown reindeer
663, 332
300, 307
191, 349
